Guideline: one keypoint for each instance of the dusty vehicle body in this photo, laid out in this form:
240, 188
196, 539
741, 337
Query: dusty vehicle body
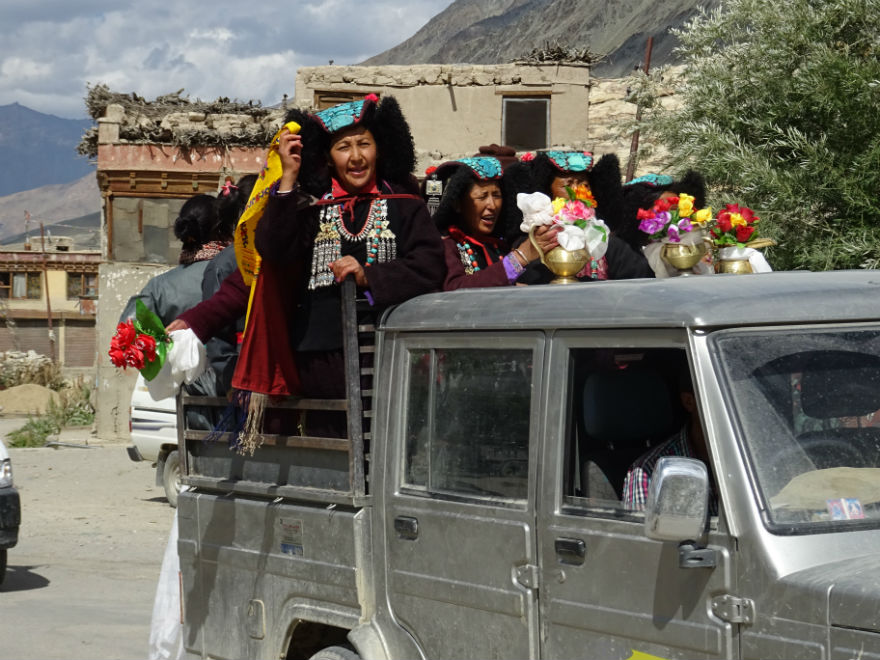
475, 510
10, 509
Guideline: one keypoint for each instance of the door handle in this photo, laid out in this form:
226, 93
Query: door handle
406, 527
571, 551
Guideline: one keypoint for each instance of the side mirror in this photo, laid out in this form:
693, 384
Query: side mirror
678, 500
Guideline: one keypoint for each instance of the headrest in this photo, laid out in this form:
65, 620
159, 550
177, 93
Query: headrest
840, 384
627, 405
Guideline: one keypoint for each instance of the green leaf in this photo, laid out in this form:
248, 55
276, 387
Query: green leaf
151, 369
147, 321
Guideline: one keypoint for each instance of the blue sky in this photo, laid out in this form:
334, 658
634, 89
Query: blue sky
50, 49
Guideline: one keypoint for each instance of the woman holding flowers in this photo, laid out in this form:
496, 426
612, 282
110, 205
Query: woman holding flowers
554, 173
472, 217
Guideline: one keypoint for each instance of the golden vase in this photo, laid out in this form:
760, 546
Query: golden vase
565, 264
683, 257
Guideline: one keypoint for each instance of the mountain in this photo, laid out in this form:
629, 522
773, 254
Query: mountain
66, 209
37, 149
496, 31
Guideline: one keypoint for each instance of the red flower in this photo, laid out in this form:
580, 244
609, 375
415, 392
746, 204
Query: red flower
644, 214
125, 333
117, 357
134, 358
147, 344
527, 156
724, 223
748, 215
663, 204
744, 232
430, 170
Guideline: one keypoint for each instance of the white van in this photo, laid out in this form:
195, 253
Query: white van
153, 429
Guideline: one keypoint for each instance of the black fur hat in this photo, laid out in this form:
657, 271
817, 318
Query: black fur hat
394, 142
457, 177
537, 175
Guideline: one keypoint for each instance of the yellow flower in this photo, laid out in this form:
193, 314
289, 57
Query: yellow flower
736, 219
703, 215
583, 193
558, 203
685, 205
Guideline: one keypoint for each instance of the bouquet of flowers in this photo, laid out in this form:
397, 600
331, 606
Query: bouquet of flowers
140, 343
734, 226
671, 217
581, 229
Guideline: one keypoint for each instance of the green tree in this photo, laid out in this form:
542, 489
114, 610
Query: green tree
780, 110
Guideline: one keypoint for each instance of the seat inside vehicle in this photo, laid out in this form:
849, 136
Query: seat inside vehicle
627, 408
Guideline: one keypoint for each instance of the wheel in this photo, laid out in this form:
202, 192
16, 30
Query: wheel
2, 564
336, 653
171, 478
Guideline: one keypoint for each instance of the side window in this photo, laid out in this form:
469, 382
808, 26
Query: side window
626, 409
467, 422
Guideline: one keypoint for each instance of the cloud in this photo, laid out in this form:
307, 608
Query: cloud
50, 50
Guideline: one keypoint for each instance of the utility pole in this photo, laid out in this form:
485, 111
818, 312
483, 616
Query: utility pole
634, 145
48, 301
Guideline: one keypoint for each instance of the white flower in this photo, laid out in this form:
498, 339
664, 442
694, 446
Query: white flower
536, 208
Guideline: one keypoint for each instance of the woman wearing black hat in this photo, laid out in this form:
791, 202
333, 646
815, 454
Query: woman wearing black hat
343, 208
472, 217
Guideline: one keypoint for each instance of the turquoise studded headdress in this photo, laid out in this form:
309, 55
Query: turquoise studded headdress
344, 115
653, 180
571, 161
484, 167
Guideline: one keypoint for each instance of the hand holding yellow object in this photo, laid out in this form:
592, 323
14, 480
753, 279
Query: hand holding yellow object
245, 253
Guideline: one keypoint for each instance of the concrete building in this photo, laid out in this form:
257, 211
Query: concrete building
52, 279
454, 108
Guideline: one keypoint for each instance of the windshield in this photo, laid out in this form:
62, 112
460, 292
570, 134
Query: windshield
808, 406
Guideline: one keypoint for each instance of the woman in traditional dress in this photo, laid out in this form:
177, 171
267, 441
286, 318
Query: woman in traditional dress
550, 172
472, 218
343, 207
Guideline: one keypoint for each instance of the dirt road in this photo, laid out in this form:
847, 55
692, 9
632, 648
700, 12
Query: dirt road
80, 582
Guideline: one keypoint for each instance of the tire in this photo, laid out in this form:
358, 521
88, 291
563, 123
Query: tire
171, 478
2, 564
336, 653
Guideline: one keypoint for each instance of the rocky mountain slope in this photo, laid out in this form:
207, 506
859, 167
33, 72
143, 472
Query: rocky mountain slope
68, 209
37, 149
494, 31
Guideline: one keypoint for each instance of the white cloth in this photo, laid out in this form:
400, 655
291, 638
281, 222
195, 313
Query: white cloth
756, 259
184, 363
166, 631
537, 210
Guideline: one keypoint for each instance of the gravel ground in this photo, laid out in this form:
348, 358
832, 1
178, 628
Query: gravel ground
80, 582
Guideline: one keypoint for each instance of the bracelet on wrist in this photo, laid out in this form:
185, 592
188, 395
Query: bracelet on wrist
524, 258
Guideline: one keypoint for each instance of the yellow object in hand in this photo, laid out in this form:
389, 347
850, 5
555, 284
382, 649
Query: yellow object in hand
245, 253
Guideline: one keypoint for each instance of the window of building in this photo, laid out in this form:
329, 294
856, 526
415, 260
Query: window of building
525, 122
324, 100
81, 284
467, 422
21, 286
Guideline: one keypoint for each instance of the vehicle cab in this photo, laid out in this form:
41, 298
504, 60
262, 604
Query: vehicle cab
513, 419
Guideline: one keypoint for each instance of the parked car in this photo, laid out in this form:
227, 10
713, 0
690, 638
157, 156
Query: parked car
153, 429
10, 509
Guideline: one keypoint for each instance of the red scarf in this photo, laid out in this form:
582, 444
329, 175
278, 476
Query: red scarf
460, 237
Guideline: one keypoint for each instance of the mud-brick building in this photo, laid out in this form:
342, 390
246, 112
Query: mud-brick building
53, 279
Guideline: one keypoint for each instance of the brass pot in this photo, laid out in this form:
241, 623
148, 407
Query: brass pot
737, 266
683, 257
563, 263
